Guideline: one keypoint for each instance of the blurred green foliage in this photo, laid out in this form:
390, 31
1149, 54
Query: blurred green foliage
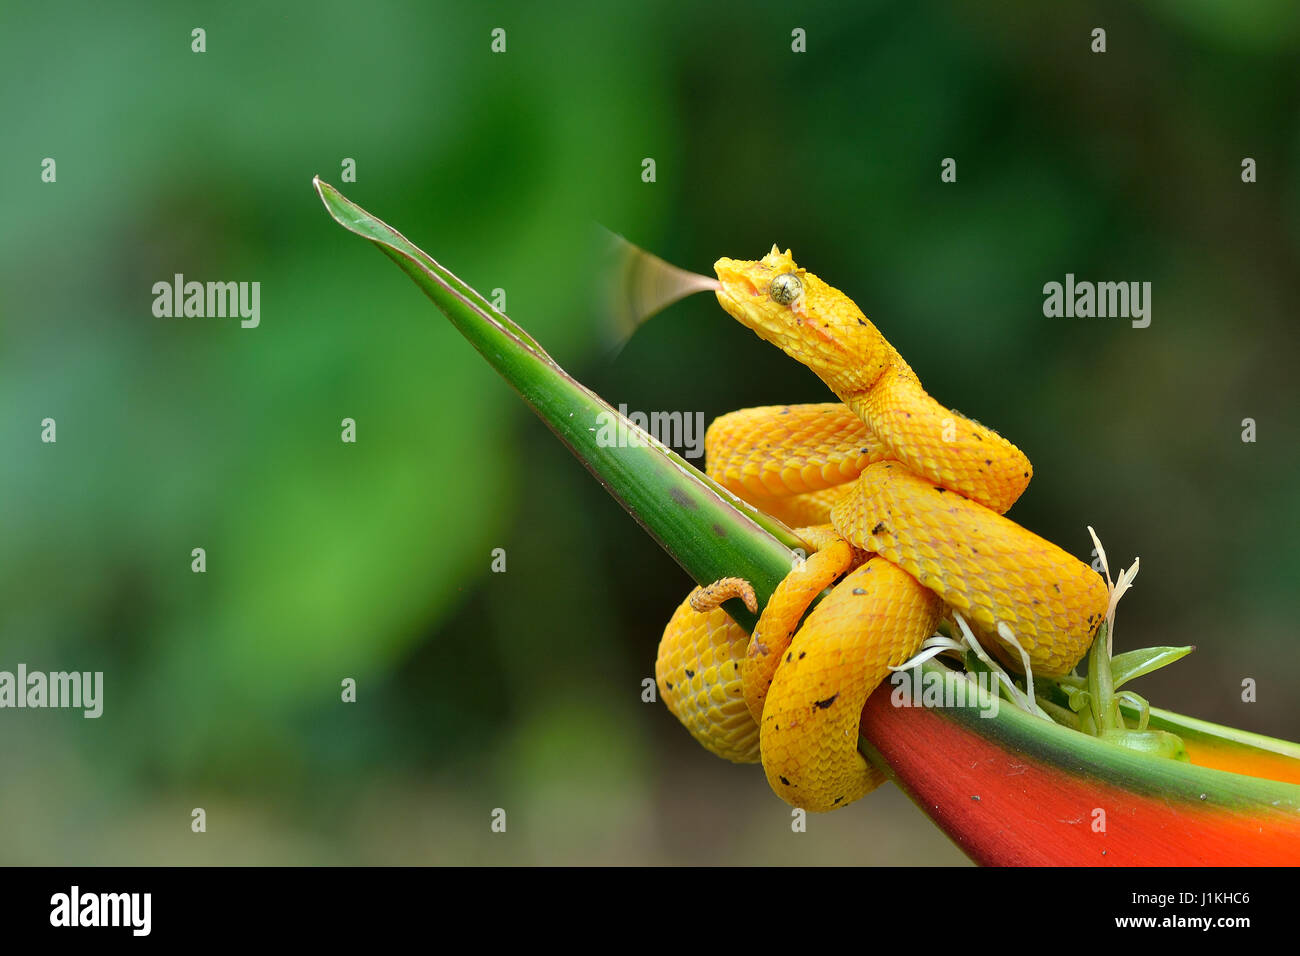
522, 690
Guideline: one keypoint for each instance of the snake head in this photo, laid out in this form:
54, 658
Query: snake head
807, 319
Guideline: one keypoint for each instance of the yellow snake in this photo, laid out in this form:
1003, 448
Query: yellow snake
902, 500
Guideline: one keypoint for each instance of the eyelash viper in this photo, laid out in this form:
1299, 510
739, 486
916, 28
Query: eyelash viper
902, 501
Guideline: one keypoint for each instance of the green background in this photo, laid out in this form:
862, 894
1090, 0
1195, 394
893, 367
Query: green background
522, 690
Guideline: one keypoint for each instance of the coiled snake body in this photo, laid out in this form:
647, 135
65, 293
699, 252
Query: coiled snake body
902, 500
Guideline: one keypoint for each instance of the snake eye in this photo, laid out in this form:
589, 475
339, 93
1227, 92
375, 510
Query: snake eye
785, 288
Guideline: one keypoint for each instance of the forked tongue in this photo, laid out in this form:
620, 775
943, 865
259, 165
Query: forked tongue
638, 285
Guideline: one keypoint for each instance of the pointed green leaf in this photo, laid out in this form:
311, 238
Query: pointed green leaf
1133, 664
706, 529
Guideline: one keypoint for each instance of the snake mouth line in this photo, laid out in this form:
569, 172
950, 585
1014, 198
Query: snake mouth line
736, 296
